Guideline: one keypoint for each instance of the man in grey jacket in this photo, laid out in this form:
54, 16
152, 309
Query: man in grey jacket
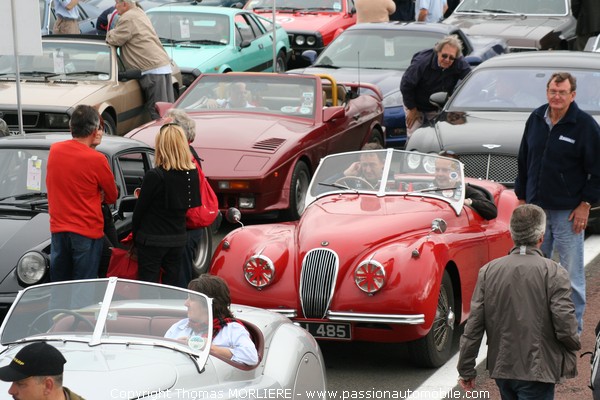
523, 303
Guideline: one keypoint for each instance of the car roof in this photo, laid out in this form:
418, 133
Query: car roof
544, 59
169, 7
110, 144
405, 26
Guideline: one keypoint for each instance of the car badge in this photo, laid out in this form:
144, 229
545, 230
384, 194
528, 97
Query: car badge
491, 146
324, 243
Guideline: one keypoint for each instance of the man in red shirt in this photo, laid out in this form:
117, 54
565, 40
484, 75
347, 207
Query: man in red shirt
78, 180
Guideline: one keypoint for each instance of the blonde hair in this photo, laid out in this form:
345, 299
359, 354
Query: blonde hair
172, 149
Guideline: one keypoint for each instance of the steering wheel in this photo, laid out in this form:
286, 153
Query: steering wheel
201, 103
354, 182
76, 317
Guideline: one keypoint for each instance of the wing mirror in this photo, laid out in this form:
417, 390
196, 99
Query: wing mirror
439, 99
331, 113
126, 205
438, 225
130, 74
234, 216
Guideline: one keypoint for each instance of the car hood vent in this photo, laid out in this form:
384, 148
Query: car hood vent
271, 144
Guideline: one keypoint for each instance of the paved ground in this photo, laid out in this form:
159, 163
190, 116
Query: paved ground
573, 388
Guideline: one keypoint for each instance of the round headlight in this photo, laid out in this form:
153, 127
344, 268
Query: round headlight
413, 161
32, 267
259, 271
300, 40
369, 276
429, 164
311, 40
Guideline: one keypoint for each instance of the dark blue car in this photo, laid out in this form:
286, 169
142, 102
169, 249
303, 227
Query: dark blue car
379, 53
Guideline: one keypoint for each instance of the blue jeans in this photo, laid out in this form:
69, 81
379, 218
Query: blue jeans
73, 256
560, 236
513, 389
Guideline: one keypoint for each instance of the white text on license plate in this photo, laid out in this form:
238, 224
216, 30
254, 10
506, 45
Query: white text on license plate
328, 330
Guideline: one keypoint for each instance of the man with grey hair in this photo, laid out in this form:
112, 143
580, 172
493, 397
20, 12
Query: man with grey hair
430, 71
141, 50
522, 302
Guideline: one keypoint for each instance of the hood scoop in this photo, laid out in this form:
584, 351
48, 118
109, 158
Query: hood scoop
271, 144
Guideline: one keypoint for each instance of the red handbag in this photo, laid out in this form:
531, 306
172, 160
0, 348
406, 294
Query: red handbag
205, 214
123, 264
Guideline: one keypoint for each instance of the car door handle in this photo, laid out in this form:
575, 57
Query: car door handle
356, 117
261, 46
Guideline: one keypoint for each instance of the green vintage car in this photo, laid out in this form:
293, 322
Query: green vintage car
218, 39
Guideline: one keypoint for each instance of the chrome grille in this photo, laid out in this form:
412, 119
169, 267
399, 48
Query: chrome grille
317, 281
496, 167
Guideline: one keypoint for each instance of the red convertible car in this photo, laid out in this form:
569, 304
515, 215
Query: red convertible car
261, 136
387, 252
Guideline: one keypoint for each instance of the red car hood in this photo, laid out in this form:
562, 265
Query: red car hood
224, 140
360, 222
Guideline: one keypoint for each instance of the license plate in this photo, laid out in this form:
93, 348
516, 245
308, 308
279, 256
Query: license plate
328, 330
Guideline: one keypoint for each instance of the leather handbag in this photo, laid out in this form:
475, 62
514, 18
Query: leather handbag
205, 214
123, 263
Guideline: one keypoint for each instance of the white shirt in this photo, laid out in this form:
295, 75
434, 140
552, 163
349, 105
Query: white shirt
435, 9
233, 336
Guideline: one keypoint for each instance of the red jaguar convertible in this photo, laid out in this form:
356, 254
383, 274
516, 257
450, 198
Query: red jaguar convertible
384, 252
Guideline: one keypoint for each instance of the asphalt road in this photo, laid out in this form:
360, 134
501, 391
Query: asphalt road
366, 370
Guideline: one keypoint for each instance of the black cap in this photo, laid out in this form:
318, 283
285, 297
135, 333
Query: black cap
35, 359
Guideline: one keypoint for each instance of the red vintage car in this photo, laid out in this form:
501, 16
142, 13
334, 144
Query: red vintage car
261, 136
391, 256
310, 24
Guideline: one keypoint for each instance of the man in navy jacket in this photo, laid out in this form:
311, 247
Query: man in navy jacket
559, 170
430, 71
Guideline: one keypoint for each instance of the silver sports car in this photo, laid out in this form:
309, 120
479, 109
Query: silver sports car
111, 332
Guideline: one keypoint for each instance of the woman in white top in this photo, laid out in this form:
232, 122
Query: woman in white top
231, 339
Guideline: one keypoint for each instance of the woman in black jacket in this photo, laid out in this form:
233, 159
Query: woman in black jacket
167, 192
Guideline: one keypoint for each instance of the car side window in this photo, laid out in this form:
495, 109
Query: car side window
133, 167
245, 29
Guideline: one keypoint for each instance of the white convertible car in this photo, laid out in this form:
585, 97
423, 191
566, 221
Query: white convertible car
111, 333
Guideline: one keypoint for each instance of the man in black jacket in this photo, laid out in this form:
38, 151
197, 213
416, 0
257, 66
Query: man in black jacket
559, 170
430, 71
587, 13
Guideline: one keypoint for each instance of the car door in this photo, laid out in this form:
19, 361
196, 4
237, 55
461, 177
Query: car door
129, 168
254, 55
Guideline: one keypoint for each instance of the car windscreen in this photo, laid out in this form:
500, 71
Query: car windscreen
112, 311
376, 49
283, 5
390, 172
22, 174
510, 89
539, 7
62, 60
203, 28
272, 94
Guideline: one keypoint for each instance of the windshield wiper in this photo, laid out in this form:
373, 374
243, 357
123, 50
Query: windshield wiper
326, 66
435, 189
471, 11
338, 186
25, 196
320, 9
499, 11
43, 74
85, 73
202, 41
289, 9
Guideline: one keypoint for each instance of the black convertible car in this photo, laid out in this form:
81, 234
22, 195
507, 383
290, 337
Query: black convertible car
24, 220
